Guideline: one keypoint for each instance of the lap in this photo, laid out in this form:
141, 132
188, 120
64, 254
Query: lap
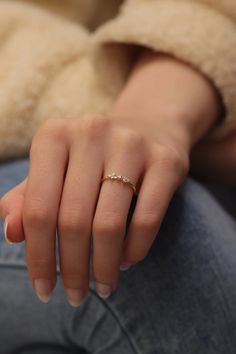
180, 299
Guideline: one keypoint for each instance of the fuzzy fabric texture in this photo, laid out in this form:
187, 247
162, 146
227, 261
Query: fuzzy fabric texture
202, 33
66, 58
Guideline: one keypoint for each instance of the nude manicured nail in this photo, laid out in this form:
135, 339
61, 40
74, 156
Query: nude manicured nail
125, 266
103, 290
43, 289
5, 232
75, 297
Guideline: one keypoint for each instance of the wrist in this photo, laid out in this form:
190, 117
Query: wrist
166, 127
168, 96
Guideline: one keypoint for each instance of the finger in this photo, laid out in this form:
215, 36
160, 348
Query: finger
48, 159
158, 185
77, 207
110, 221
11, 205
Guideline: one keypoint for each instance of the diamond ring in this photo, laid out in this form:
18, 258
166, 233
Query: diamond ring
123, 179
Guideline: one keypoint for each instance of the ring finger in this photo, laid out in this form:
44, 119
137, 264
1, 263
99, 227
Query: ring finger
110, 219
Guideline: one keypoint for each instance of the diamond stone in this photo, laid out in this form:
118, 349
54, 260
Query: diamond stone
126, 179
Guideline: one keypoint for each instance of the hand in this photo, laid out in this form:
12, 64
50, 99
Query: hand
63, 193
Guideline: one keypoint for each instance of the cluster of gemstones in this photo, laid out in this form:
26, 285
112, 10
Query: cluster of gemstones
113, 175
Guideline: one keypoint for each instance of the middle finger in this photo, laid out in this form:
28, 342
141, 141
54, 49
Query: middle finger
78, 202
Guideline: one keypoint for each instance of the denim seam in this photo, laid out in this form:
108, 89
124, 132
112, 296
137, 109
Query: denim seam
106, 305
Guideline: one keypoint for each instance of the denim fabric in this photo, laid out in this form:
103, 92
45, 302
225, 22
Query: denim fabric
180, 300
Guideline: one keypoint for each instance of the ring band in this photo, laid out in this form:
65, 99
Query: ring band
123, 179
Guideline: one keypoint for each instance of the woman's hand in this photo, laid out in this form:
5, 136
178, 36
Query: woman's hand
63, 192
147, 136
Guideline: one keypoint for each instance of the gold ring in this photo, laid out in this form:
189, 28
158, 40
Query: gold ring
123, 179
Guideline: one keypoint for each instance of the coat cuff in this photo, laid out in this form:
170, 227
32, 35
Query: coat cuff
192, 32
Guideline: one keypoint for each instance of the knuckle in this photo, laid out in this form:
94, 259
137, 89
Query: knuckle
167, 155
129, 138
108, 227
71, 224
171, 159
36, 214
54, 128
93, 125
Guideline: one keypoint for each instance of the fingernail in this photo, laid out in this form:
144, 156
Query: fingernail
75, 297
5, 232
43, 289
125, 266
103, 290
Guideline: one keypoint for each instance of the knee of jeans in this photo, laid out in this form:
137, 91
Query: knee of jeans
197, 231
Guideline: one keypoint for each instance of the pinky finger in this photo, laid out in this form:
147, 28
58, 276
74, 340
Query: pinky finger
154, 197
11, 205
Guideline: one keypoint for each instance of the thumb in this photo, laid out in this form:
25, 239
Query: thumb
11, 205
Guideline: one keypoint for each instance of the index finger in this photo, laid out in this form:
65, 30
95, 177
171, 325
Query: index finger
48, 159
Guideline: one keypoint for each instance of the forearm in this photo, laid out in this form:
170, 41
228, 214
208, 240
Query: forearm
164, 93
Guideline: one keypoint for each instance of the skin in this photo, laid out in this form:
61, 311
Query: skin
148, 136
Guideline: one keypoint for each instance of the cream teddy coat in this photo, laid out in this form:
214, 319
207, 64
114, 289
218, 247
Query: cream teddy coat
64, 58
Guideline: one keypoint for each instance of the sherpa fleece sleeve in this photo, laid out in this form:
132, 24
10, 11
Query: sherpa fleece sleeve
45, 72
202, 33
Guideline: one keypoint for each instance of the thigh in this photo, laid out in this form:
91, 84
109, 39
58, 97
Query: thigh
182, 298
31, 327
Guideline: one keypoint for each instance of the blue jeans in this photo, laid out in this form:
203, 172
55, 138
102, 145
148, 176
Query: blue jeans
180, 300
